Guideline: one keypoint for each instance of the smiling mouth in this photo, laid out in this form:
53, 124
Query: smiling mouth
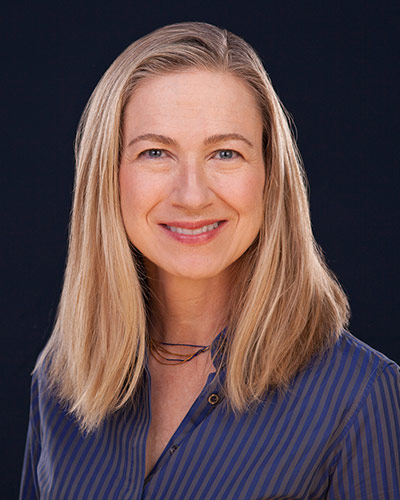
193, 232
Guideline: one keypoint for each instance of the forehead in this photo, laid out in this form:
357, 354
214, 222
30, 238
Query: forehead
199, 99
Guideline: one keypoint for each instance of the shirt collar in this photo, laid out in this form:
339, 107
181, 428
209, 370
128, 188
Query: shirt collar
217, 350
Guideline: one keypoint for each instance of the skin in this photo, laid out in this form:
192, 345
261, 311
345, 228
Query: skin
190, 182
189, 179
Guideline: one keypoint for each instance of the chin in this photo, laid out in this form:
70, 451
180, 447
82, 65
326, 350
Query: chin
196, 275
188, 267
193, 272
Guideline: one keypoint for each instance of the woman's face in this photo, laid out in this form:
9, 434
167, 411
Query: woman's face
192, 172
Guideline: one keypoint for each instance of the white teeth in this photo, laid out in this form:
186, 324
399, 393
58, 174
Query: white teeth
203, 229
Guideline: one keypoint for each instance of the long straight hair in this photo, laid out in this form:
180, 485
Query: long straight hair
286, 305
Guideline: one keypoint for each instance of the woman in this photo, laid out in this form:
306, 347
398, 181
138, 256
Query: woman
199, 350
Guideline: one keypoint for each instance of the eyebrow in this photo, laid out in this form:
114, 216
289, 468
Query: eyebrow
212, 139
220, 137
153, 137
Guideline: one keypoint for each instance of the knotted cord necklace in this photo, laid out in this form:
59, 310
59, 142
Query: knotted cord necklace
161, 353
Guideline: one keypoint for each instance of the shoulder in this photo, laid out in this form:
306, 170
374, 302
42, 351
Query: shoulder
346, 379
352, 364
48, 414
350, 345
42, 392
364, 406
353, 361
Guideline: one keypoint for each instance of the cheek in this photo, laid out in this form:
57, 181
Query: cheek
138, 194
127, 194
249, 195
133, 195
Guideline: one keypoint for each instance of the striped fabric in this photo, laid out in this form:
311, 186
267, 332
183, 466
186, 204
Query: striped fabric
334, 435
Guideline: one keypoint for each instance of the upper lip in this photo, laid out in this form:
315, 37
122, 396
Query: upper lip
191, 224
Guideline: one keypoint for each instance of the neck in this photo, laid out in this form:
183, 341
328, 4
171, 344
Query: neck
187, 311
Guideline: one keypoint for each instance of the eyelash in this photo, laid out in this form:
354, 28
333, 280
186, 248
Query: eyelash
216, 152
143, 153
235, 153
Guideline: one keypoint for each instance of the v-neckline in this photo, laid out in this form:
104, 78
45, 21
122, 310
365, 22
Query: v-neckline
195, 415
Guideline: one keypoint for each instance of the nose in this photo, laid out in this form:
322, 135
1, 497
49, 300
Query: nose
192, 189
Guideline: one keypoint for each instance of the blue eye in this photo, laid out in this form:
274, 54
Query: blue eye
152, 153
226, 154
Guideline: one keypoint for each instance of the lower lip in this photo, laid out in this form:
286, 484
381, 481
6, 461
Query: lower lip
194, 239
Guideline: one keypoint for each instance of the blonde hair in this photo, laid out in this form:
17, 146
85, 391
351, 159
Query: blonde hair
287, 306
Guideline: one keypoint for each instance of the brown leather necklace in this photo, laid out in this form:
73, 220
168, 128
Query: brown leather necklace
162, 354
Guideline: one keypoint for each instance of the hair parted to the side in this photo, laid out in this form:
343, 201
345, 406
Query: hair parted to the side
286, 305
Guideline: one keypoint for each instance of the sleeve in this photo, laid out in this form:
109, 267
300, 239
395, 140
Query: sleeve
29, 489
367, 466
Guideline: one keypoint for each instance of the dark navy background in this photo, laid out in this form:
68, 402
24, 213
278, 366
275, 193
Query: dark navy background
335, 67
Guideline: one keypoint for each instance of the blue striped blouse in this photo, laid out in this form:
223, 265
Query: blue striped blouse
334, 435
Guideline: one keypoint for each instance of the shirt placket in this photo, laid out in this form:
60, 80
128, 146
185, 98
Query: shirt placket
209, 398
